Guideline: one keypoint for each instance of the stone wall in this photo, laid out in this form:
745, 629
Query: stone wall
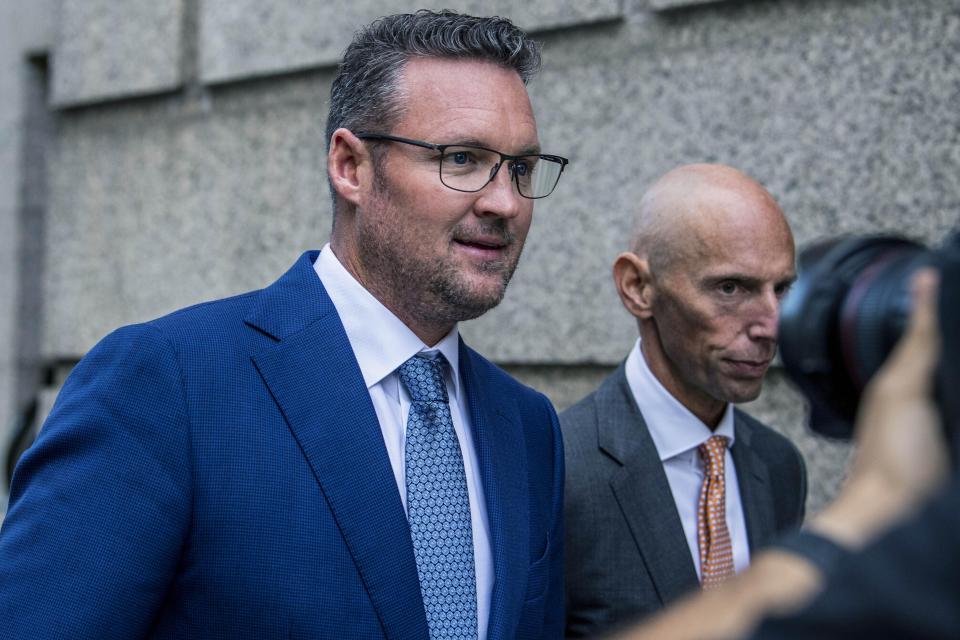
189, 153
26, 135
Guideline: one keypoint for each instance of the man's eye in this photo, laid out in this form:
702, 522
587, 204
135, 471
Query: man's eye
728, 288
459, 158
521, 169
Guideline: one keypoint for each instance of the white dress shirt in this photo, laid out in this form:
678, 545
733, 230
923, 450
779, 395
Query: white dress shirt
676, 434
381, 343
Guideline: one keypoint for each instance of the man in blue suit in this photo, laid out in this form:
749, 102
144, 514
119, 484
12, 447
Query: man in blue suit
324, 458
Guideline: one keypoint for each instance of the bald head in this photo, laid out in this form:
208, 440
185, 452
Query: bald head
692, 204
712, 258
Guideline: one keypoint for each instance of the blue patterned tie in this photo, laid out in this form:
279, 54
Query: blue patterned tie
438, 506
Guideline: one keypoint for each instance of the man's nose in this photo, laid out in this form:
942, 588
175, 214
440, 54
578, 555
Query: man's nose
500, 197
765, 317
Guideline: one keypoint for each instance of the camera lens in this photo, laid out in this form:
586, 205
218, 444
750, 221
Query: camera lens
842, 318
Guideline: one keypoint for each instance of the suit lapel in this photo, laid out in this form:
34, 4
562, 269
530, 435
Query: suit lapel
502, 456
313, 376
755, 490
642, 490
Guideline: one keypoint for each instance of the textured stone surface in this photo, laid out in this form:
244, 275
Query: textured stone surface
38, 126
34, 24
9, 203
844, 110
154, 208
10, 135
249, 37
673, 4
25, 29
108, 49
626, 101
564, 385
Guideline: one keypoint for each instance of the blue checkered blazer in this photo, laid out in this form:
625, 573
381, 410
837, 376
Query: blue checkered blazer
220, 473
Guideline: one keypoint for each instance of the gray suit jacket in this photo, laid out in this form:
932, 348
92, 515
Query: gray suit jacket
626, 554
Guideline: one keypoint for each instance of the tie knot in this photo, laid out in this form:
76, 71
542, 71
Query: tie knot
712, 452
422, 375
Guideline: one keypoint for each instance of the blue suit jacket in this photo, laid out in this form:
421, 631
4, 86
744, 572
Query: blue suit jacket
220, 473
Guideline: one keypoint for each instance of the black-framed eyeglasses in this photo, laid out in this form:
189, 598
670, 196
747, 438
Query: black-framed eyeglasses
469, 168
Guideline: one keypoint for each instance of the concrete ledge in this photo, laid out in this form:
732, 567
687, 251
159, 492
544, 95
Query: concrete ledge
108, 49
658, 5
244, 38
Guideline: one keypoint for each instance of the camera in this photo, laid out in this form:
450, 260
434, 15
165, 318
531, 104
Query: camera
846, 311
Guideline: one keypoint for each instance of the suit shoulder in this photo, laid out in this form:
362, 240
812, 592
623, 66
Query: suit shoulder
207, 327
206, 331
580, 420
579, 417
583, 410
206, 314
770, 442
500, 378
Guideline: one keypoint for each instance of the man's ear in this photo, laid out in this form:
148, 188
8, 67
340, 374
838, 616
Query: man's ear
631, 275
349, 165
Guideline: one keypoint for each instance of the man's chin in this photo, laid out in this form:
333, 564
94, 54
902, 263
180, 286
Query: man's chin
747, 393
471, 300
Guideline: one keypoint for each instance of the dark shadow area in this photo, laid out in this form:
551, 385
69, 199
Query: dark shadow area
39, 127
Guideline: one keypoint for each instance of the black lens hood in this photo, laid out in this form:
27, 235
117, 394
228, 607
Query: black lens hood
811, 336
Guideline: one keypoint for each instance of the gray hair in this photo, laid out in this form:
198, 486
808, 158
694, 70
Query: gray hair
365, 94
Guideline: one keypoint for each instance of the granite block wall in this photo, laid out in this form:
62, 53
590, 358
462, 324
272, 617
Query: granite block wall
26, 34
109, 49
189, 158
246, 38
844, 110
9, 254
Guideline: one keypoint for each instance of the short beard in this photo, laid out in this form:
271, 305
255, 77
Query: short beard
455, 296
428, 291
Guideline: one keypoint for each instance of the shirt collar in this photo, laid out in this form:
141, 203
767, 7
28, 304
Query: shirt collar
381, 342
673, 428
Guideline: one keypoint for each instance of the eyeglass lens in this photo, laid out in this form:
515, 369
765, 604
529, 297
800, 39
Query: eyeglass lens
470, 169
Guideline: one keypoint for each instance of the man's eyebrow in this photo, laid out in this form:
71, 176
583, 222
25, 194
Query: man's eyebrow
745, 279
727, 277
787, 281
529, 150
474, 142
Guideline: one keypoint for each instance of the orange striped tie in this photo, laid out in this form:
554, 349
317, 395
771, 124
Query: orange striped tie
716, 551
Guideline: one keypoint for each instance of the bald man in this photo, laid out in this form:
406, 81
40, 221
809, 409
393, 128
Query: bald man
669, 486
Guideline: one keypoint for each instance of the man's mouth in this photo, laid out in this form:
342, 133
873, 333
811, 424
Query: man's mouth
488, 243
748, 368
483, 247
